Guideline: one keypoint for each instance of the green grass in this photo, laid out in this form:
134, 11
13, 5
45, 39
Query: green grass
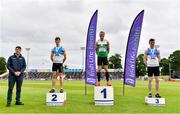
34, 95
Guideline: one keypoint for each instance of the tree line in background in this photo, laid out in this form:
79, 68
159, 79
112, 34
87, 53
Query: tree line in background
115, 61
167, 65
2, 65
170, 65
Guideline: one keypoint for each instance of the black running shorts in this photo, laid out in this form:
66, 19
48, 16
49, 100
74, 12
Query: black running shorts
153, 71
57, 67
102, 60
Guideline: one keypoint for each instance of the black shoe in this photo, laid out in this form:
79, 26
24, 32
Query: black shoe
52, 91
61, 90
157, 95
8, 105
19, 103
150, 95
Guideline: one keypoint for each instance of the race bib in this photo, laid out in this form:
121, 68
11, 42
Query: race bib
152, 61
57, 54
102, 49
58, 58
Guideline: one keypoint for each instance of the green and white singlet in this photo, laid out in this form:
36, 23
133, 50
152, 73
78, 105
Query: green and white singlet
102, 50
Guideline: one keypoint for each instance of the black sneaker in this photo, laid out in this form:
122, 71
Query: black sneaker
8, 105
52, 91
150, 95
61, 90
157, 95
19, 103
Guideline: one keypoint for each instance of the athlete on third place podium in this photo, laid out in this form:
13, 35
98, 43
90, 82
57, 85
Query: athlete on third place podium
152, 59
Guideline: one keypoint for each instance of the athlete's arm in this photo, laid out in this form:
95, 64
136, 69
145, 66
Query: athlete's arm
96, 47
145, 57
108, 46
51, 57
9, 65
159, 57
65, 56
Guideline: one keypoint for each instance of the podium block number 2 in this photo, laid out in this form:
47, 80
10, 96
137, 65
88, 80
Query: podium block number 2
54, 97
104, 92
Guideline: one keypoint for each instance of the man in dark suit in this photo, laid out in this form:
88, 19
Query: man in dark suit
16, 65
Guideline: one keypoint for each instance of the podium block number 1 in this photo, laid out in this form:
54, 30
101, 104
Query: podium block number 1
104, 92
54, 97
103, 95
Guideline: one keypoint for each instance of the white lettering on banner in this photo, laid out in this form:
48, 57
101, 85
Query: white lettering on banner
91, 35
90, 57
136, 36
132, 56
91, 80
131, 81
132, 65
91, 64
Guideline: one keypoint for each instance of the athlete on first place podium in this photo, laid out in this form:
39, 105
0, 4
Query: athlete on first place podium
102, 51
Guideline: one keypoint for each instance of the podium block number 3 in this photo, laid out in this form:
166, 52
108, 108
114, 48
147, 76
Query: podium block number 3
104, 92
157, 101
54, 97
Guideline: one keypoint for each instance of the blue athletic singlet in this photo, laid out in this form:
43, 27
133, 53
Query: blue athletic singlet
58, 54
152, 57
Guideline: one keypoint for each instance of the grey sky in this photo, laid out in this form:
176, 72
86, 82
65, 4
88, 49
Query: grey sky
35, 24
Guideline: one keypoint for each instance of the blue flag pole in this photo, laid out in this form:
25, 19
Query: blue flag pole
90, 64
131, 51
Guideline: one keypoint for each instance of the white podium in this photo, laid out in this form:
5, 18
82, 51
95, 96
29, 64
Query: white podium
56, 99
103, 95
155, 101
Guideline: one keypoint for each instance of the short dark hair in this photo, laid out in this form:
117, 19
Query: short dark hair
151, 40
57, 38
18, 47
101, 32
